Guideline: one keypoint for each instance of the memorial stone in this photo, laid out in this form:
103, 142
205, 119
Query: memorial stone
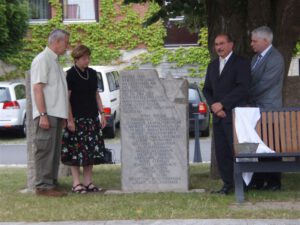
154, 132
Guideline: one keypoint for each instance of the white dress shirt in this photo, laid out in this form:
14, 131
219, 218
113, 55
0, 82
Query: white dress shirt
223, 61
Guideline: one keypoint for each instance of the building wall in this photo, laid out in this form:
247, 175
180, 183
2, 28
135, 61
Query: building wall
6, 68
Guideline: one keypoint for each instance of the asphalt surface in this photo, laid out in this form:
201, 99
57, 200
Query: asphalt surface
16, 154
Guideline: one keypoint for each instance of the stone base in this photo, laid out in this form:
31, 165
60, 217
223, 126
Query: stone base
116, 192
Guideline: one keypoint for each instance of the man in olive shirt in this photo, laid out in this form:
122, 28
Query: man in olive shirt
50, 108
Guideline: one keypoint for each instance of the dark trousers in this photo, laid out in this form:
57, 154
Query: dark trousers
223, 136
260, 180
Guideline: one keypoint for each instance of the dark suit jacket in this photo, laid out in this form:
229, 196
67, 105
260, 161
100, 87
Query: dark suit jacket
231, 88
267, 79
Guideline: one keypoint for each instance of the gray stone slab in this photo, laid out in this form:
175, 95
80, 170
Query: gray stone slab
154, 132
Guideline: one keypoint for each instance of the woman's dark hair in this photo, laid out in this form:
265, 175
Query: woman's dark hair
80, 51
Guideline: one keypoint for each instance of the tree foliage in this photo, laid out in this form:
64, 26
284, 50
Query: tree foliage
297, 49
193, 11
239, 18
13, 25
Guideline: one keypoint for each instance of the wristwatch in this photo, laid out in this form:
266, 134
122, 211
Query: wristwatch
43, 114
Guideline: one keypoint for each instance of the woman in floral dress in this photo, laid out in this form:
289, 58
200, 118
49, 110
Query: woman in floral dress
82, 142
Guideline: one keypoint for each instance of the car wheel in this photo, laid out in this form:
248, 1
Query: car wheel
23, 129
110, 132
205, 133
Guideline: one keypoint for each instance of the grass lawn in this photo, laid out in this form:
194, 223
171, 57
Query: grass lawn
15, 206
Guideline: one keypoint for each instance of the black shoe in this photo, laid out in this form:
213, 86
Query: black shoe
256, 184
274, 187
225, 190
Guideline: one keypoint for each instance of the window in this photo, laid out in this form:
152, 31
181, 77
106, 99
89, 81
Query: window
39, 10
20, 92
177, 35
80, 10
194, 96
4, 94
116, 76
111, 82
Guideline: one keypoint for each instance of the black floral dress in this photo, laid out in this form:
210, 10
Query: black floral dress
85, 146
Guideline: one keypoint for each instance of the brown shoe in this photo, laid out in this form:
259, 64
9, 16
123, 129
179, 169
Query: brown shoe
49, 192
60, 189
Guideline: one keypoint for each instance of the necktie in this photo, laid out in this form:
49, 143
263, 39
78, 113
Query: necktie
257, 61
222, 64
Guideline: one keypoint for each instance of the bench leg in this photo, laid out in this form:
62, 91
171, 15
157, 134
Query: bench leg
238, 183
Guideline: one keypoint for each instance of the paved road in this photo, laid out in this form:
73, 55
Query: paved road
170, 222
16, 154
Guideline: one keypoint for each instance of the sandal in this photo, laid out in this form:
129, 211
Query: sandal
92, 188
80, 190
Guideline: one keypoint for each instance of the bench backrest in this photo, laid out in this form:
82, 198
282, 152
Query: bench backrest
279, 129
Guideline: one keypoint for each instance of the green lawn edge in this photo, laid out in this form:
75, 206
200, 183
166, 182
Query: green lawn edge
16, 206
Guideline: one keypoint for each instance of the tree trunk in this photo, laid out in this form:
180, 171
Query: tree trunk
239, 17
64, 170
29, 137
287, 33
292, 93
228, 16
214, 172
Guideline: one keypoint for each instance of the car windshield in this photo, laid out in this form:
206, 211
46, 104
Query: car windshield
4, 94
194, 96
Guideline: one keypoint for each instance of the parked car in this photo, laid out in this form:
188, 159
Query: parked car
109, 90
198, 105
13, 106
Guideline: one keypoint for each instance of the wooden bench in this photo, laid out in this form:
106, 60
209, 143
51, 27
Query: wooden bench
280, 131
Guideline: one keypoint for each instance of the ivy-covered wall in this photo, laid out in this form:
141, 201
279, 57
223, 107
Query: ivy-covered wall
197, 58
119, 28
106, 38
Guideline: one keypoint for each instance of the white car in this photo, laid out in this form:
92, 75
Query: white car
13, 106
109, 89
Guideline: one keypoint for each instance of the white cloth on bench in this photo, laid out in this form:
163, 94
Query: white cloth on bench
245, 122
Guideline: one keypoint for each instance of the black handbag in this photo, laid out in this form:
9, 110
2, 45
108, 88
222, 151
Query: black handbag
107, 159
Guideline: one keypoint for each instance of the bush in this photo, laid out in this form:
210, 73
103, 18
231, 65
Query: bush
13, 25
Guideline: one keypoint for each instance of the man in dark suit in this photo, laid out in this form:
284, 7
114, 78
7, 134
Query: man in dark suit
226, 87
267, 69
